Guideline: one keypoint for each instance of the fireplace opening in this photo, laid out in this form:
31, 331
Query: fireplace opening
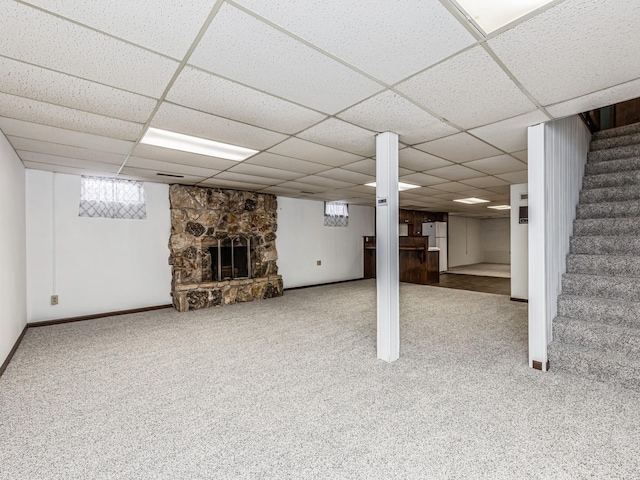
230, 259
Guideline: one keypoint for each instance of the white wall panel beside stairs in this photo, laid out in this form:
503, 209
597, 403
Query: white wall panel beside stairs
557, 157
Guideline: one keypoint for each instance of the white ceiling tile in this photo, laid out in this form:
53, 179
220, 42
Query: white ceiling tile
459, 148
234, 185
38, 146
412, 36
184, 158
324, 182
420, 161
514, 177
501, 190
62, 136
485, 182
285, 192
166, 167
455, 172
268, 159
601, 98
449, 196
366, 166
52, 42
390, 112
192, 122
451, 187
298, 148
511, 134
240, 47
168, 27
348, 176
67, 162
49, 167
260, 171
342, 135
574, 48
421, 179
28, 110
45, 85
470, 78
241, 177
496, 165
304, 187
362, 190
522, 155
209, 93
152, 176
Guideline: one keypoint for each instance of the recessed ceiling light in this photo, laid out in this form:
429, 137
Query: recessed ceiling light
493, 14
401, 186
202, 146
501, 207
471, 201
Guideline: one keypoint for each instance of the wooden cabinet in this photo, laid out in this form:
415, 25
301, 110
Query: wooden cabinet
415, 218
416, 263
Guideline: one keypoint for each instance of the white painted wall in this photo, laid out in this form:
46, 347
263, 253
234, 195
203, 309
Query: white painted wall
95, 265
13, 315
557, 156
519, 245
303, 239
496, 240
465, 241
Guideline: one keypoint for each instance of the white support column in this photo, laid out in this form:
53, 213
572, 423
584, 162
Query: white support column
387, 246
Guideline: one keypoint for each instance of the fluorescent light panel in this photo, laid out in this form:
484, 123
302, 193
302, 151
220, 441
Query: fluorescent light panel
500, 207
401, 186
202, 146
493, 14
471, 201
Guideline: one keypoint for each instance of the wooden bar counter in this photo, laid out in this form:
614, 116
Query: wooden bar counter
417, 263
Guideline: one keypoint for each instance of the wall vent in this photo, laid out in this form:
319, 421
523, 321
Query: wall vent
524, 196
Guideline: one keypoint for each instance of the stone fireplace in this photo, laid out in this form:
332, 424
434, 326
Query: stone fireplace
222, 247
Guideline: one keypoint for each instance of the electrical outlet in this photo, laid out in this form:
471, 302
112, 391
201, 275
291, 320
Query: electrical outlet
318, 262
54, 299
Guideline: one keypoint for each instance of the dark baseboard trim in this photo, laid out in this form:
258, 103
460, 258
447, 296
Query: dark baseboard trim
97, 315
323, 284
13, 350
523, 300
538, 365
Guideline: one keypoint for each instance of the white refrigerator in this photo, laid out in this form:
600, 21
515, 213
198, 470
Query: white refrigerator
437, 232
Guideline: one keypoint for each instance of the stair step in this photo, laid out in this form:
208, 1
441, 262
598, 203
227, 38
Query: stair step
614, 312
613, 142
605, 245
624, 288
617, 132
616, 179
610, 226
629, 208
598, 336
622, 265
595, 364
613, 166
610, 194
613, 153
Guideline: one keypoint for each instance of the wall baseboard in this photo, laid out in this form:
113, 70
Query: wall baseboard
96, 315
523, 300
323, 284
13, 351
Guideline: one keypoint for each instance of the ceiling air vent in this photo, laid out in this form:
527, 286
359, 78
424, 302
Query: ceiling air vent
169, 175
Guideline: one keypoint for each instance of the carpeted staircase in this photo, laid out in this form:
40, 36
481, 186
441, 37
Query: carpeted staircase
597, 330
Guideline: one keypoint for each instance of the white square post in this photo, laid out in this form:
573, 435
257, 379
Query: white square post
387, 275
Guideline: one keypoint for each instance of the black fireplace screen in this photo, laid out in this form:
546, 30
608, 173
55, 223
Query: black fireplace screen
230, 259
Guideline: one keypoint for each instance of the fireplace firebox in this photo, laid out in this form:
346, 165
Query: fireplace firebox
231, 259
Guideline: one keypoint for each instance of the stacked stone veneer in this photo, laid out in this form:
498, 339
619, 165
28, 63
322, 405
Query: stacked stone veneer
202, 216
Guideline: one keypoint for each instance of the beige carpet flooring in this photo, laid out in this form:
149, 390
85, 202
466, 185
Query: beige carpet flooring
290, 388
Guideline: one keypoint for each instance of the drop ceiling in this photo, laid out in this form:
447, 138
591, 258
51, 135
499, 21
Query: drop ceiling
308, 85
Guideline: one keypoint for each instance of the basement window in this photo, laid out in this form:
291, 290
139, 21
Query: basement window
112, 198
336, 214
